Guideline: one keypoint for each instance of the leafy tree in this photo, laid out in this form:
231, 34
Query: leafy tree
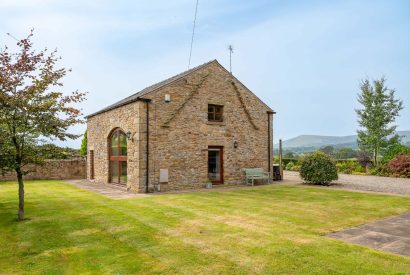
376, 117
52, 151
364, 158
328, 150
31, 108
83, 149
289, 166
394, 150
345, 153
289, 155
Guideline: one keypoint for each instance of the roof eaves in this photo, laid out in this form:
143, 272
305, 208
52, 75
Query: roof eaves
113, 107
165, 84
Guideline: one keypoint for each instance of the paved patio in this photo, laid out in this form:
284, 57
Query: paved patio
391, 235
110, 191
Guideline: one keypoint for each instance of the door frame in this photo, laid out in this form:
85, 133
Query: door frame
221, 163
118, 159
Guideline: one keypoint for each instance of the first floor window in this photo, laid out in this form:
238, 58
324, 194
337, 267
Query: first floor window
215, 113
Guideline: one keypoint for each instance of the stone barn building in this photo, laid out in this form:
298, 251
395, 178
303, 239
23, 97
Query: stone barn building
200, 126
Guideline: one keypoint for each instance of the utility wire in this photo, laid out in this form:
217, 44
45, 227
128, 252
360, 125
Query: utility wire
193, 32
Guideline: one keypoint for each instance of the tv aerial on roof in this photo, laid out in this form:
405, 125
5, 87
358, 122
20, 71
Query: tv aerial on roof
230, 49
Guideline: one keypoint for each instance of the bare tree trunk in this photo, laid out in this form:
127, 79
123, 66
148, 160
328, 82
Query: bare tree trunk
21, 195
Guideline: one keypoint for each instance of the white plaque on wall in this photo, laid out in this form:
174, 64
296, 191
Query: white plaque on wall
163, 175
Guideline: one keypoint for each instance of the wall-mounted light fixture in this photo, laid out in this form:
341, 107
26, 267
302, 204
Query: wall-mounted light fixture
235, 144
167, 98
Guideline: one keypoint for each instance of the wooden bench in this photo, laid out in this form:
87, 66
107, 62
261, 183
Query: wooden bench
253, 174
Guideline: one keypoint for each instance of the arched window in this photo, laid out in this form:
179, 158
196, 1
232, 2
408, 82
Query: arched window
118, 157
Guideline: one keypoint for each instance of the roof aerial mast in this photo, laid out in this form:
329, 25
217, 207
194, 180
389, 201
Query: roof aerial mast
230, 49
193, 33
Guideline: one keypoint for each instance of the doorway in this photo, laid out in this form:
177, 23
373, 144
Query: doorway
118, 157
215, 164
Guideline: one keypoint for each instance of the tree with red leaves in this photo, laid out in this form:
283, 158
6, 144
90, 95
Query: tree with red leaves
32, 108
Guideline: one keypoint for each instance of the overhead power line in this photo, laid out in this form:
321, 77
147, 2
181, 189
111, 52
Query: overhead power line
193, 33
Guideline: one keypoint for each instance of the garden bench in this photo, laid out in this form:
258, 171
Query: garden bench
253, 174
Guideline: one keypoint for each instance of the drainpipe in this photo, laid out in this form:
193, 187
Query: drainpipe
147, 101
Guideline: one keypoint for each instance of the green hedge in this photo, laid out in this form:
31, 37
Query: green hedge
285, 161
350, 167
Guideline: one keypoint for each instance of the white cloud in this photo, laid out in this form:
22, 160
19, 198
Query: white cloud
296, 59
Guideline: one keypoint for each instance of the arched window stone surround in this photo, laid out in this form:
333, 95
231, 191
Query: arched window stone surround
117, 157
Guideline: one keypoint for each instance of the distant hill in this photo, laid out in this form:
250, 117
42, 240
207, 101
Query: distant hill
305, 143
317, 141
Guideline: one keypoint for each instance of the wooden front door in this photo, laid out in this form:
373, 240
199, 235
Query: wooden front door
215, 164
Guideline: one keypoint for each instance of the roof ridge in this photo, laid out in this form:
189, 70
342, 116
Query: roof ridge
175, 77
151, 88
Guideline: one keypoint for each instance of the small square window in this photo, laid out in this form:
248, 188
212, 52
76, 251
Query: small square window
215, 113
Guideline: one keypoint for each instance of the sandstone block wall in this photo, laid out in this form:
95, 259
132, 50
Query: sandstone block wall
53, 169
179, 132
99, 129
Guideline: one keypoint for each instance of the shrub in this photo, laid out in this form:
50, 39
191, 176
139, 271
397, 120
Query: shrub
296, 168
285, 161
83, 148
358, 169
289, 166
344, 167
382, 170
318, 168
349, 167
364, 158
400, 166
395, 150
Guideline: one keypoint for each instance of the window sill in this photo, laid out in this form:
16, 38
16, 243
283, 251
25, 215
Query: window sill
220, 123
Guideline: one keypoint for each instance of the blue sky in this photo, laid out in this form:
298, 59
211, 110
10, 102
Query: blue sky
305, 59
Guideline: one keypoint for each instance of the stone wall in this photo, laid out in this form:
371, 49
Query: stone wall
99, 129
53, 169
180, 132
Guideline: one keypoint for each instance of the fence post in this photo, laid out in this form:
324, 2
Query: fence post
280, 159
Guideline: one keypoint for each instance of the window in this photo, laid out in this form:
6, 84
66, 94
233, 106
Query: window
215, 113
118, 157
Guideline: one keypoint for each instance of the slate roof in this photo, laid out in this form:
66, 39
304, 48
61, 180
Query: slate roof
149, 89
137, 96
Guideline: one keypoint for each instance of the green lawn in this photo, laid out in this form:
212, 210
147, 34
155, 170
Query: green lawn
270, 229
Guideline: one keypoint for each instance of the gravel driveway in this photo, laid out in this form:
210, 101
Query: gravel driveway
363, 183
